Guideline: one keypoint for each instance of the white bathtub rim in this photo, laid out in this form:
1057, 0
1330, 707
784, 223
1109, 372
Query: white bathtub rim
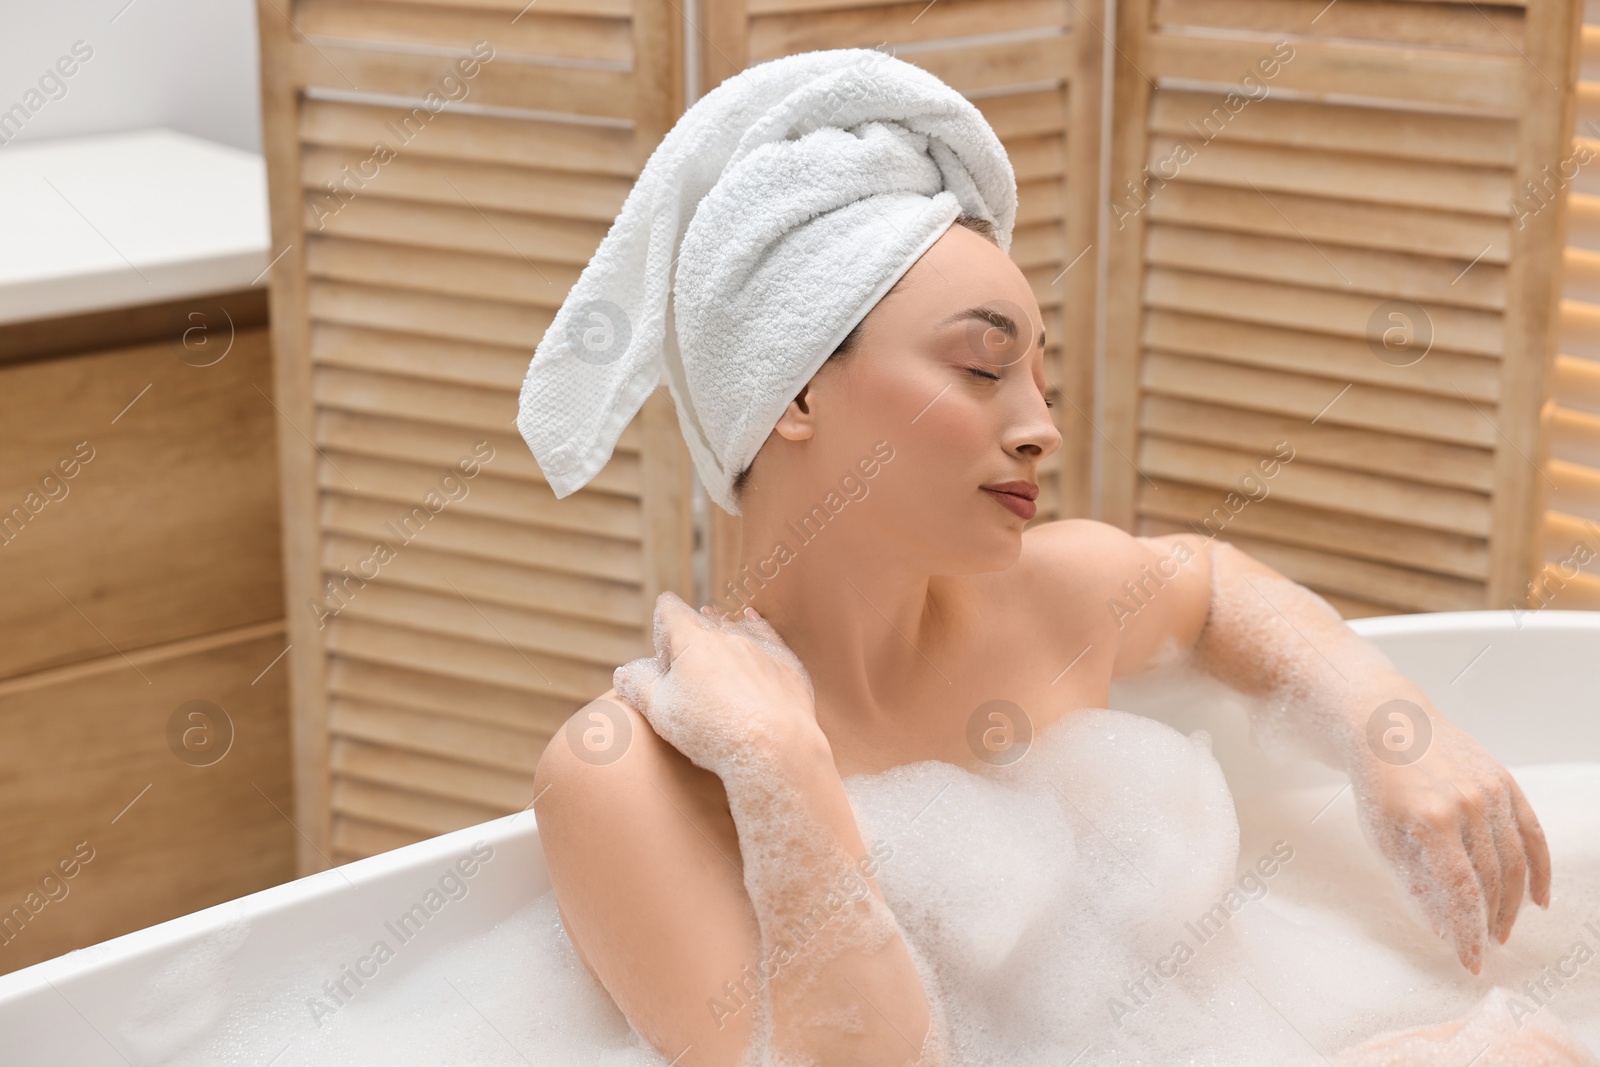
1489, 620
185, 929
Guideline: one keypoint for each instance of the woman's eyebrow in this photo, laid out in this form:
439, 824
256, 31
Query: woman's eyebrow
998, 319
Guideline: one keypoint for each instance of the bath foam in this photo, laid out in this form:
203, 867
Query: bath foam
1088, 890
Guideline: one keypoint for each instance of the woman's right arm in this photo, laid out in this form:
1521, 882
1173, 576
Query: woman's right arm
731, 910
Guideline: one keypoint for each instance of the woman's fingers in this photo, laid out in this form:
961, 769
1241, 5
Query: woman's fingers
1533, 846
1465, 917
1513, 865
1478, 838
635, 680
677, 627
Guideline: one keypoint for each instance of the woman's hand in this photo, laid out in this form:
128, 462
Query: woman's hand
1459, 835
720, 692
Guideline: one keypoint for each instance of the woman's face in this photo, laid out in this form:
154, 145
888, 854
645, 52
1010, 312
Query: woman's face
948, 369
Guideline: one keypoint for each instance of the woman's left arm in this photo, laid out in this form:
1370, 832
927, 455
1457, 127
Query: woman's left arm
1447, 816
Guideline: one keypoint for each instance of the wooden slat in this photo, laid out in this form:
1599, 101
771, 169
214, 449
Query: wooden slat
1453, 235
470, 701
1320, 309
502, 664
1303, 482
356, 838
898, 23
1023, 114
440, 273
1325, 444
1398, 589
406, 810
535, 32
1576, 489
1343, 359
398, 396
431, 315
467, 229
429, 443
1575, 437
1449, 79
1414, 415
578, 90
1432, 25
1583, 222
1557, 588
563, 551
1340, 175
1035, 158
597, 8
360, 172
453, 362
458, 614
1389, 275
1349, 128
978, 68
1580, 330
447, 736
1348, 607
466, 137
502, 792
617, 604
1578, 383
407, 484
1203, 510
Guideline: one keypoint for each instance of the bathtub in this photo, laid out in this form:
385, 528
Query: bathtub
1527, 686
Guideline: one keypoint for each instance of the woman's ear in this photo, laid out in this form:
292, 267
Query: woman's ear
797, 422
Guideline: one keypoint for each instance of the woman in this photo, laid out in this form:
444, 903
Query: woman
689, 857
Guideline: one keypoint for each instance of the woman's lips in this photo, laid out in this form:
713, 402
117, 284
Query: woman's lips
1019, 505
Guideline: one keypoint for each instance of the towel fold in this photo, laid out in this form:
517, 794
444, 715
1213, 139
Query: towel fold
763, 228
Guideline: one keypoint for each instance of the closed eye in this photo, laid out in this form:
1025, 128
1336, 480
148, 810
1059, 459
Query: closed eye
1048, 401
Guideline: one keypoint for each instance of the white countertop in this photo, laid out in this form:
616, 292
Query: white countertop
92, 223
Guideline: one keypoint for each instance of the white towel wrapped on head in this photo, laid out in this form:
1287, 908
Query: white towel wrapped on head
764, 227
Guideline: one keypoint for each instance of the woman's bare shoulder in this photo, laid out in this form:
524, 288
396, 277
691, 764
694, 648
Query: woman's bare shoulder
605, 762
1074, 555
1142, 594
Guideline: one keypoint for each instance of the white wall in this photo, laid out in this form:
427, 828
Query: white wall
188, 65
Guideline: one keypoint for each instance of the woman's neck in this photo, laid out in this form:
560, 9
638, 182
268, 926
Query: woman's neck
867, 628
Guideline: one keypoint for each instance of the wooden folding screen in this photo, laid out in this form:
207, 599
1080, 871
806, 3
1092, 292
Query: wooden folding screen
1570, 577
1033, 68
1329, 257
440, 173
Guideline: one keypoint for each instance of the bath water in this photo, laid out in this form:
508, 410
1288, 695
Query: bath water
1101, 901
